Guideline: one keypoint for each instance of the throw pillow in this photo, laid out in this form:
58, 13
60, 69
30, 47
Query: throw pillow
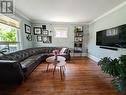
63, 50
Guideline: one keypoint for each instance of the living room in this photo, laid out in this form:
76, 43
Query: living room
72, 30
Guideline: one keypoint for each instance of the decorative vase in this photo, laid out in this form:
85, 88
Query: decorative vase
55, 53
55, 57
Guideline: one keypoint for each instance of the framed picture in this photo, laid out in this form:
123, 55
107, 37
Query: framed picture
44, 27
37, 30
39, 38
27, 29
47, 39
29, 37
79, 28
45, 32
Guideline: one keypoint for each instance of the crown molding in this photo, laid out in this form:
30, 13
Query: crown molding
49, 22
19, 13
109, 12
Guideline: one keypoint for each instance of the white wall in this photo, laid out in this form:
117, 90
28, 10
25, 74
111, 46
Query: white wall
112, 20
24, 42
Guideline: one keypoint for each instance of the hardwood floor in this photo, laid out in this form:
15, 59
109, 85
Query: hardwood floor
82, 77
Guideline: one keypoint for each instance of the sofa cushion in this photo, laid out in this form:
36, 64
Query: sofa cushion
36, 57
31, 60
40, 50
26, 64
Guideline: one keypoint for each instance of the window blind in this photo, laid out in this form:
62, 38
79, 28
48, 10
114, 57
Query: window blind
61, 32
9, 21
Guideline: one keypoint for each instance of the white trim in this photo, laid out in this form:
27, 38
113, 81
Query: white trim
49, 22
79, 54
93, 58
109, 12
22, 15
84, 54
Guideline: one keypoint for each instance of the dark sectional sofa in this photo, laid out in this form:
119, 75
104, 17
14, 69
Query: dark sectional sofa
16, 66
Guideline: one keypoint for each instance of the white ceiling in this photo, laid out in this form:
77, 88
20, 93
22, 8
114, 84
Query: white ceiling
65, 10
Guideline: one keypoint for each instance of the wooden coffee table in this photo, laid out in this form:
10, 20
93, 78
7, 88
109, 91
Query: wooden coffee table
60, 62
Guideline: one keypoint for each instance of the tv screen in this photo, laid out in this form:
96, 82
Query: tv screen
122, 35
114, 37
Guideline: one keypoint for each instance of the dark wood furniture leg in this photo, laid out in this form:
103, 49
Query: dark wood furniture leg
47, 67
54, 69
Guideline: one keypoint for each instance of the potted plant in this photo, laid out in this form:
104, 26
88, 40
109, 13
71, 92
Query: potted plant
117, 69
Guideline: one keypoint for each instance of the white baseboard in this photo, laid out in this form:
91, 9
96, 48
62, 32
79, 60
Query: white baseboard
85, 54
79, 54
93, 58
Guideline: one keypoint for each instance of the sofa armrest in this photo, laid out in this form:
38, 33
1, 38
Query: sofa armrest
7, 61
11, 71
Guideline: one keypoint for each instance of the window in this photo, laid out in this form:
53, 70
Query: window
7, 33
61, 32
8, 38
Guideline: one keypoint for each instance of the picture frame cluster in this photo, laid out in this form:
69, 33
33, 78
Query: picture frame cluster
42, 34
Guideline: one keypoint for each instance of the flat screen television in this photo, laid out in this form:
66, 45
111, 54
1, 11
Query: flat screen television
114, 37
